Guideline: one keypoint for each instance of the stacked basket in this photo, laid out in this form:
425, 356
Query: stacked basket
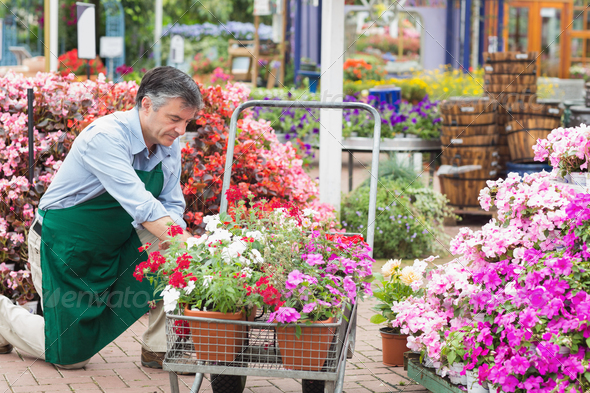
468, 138
530, 122
510, 77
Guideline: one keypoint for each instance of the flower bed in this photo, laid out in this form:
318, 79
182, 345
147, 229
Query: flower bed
513, 307
422, 119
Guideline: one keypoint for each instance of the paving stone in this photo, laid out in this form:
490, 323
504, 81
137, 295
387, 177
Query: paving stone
85, 387
45, 388
378, 386
286, 384
21, 379
110, 382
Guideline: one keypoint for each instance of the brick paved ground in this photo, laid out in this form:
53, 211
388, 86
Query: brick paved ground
117, 368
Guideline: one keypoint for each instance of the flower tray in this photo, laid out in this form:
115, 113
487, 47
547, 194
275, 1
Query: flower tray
427, 377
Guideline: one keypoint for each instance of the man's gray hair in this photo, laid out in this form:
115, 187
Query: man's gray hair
163, 83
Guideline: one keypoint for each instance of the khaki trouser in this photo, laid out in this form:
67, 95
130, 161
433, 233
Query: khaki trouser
26, 331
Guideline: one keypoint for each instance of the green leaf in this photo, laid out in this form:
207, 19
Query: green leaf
587, 375
377, 319
297, 331
451, 357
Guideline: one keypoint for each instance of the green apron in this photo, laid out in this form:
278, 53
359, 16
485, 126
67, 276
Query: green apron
88, 255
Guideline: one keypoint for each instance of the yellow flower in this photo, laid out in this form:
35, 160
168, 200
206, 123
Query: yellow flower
409, 275
390, 267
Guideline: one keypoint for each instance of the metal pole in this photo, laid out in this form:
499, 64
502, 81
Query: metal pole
482, 23
450, 31
467, 35
297, 44
500, 26
233, 126
30, 99
158, 34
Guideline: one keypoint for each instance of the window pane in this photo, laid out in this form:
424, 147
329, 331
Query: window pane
577, 47
518, 21
578, 20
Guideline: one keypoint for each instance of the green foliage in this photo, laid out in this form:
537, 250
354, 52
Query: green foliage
388, 291
454, 349
408, 220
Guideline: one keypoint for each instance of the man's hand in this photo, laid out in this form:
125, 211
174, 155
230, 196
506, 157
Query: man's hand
160, 227
163, 245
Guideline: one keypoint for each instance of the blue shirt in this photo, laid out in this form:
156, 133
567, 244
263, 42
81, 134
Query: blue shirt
104, 157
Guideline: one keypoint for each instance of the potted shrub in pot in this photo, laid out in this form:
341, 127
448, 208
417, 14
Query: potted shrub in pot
395, 284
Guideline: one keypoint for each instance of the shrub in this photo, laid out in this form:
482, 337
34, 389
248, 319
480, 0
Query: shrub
408, 220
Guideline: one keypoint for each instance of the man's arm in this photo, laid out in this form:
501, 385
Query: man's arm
160, 228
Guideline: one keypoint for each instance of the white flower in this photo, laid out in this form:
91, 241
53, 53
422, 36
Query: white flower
212, 222
256, 235
195, 241
207, 280
244, 261
171, 296
409, 276
234, 250
389, 268
309, 212
247, 271
257, 256
189, 288
306, 222
220, 234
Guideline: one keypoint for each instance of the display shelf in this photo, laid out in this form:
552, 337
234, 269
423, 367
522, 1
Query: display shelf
427, 377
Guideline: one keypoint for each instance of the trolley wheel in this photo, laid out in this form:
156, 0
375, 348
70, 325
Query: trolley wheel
312, 386
221, 383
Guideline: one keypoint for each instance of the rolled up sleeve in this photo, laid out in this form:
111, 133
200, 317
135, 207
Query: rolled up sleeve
109, 159
171, 195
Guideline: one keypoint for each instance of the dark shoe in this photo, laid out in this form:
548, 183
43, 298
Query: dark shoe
152, 359
6, 349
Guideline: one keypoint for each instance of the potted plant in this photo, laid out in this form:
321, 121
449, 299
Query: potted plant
270, 256
568, 151
394, 285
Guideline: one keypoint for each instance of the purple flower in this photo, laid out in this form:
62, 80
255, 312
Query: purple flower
295, 278
284, 315
308, 308
314, 259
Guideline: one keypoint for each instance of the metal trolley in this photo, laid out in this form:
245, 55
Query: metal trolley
230, 350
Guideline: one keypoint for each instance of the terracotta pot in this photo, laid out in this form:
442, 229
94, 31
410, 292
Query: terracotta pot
310, 350
394, 346
214, 341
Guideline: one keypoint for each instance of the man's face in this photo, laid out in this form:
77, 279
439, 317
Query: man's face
167, 123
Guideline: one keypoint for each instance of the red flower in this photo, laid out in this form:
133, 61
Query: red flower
175, 230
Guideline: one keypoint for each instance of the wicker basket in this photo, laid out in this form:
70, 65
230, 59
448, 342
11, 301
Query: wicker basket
522, 135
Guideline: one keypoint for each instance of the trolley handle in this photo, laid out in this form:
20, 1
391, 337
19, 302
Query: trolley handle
308, 105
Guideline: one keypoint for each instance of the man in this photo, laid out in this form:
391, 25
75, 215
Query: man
118, 188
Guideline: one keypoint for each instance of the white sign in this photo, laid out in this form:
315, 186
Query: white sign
262, 7
492, 44
111, 47
86, 31
177, 49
